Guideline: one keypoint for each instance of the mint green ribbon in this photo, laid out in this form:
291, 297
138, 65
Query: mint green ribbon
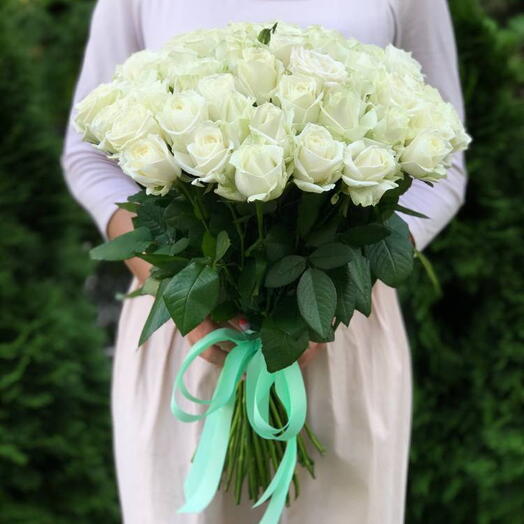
246, 356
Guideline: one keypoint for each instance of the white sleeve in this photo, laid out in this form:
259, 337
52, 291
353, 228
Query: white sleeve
95, 181
424, 27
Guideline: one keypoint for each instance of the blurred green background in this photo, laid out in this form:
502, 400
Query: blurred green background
58, 313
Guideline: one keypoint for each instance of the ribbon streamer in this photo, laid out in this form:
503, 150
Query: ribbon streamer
205, 473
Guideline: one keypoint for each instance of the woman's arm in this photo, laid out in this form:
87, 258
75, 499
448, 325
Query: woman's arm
424, 27
96, 182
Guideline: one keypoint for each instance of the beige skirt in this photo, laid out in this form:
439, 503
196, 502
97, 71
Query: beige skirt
359, 395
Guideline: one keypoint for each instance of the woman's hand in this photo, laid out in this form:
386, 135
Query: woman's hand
120, 223
314, 349
214, 354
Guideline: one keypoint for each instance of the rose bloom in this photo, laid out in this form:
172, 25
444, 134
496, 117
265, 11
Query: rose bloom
260, 171
149, 162
370, 169
318, 159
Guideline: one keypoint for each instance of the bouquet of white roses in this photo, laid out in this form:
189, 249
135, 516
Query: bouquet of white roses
273, 159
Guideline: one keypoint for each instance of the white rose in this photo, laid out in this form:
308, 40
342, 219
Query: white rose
224, 102
87, 109
346, 114
392, 126
202, 42
257, 73
318, 159
460, 139
206, 155
186, 75
370, 169
234, 40
152, 95
300, 95
443, 117
172, 57
181, 113
285, 37
121, 123
365, 67
394, 89
400, 61
425, 156
141, 66
149, 162
272, 125
307, 62
260, 171
328, 41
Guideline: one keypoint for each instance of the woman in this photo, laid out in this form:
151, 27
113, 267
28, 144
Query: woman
359, 386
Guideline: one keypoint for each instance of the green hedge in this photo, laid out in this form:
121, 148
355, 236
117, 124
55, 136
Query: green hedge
467, 461
55, 444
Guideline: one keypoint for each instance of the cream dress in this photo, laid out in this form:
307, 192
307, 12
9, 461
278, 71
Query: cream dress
359, 389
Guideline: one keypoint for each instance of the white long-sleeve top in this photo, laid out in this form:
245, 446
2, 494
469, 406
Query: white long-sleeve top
122, 27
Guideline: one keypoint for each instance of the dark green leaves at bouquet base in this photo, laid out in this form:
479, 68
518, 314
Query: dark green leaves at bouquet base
391, 259
124, 246
359, 236
158, 315
346, 293
330, 256
285, 271
317, 300
191, 295
284, 336
361, 280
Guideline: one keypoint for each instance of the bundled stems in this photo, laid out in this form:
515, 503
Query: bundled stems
255, 459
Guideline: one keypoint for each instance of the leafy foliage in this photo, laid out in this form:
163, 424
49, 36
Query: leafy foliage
467, 460
55, 447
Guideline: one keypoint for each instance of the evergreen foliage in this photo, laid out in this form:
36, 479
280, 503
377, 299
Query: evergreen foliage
55, 447
467, 459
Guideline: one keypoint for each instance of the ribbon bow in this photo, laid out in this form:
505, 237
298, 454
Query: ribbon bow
204, 475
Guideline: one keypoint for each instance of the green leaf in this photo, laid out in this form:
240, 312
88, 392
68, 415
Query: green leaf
151, 216
223, 244
315, 337
317, 300
410, 212
285, 271
323, 234
124, 246
346, 293
390, 199
331, 255
250, 278
129, 206
359, 236
209, 245
430, 271
191, 295
308, 211
284, 336
179, 246
278, 243
223, 312
161, 260
391, 259
361, 282
158, 315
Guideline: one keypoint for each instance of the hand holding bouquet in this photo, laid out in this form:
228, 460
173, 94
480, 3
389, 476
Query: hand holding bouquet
273, 159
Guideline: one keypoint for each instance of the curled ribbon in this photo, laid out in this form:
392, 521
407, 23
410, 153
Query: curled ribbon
204, 475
